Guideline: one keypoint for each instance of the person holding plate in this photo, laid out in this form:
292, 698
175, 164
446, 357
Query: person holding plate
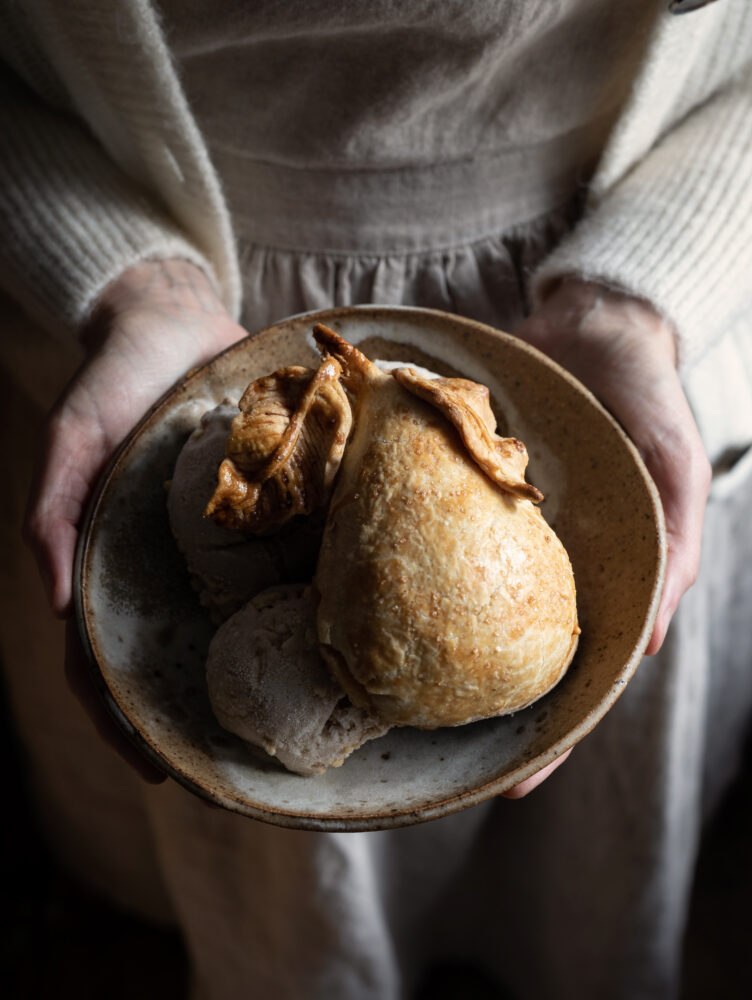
579, 173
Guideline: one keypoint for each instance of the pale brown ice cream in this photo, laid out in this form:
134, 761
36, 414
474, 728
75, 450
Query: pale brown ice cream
268, 684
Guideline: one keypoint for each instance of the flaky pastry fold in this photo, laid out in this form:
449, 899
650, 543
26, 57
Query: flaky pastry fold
284, 448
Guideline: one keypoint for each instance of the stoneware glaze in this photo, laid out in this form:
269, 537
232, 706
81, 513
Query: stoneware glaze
147, 635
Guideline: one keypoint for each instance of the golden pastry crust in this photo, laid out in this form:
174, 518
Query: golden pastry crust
284, 448
443, 597
466, 405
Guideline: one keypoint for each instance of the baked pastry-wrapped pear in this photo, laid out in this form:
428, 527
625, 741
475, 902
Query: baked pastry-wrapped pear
444, 597
283, 450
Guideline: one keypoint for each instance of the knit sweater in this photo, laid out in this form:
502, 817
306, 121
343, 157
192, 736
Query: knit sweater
104, 165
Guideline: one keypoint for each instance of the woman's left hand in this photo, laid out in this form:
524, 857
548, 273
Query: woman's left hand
625, 353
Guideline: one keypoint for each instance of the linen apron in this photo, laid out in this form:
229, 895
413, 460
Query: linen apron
579, 890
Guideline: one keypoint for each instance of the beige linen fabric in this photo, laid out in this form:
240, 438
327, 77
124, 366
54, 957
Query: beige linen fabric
384, 84
579, 891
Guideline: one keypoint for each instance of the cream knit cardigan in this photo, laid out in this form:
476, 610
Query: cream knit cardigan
103, 165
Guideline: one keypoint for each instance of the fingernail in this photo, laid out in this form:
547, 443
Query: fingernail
685, 6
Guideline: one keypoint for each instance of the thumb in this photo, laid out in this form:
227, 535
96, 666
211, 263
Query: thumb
681, 473
71, 457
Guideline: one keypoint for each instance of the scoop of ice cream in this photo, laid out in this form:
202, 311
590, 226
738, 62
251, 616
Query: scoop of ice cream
228, 567
268, 684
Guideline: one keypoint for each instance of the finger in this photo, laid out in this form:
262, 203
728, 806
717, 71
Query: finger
68, 464
681, 472
78, 676
681, 573
660, 423
626, 354
525, 787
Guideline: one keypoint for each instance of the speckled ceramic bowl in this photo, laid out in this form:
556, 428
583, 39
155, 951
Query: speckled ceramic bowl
148, 636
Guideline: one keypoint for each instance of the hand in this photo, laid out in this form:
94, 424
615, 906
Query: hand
624, 352
151, 325
525, 787
155, 322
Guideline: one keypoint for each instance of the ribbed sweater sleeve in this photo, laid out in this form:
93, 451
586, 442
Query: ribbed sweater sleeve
71, 220
677, 229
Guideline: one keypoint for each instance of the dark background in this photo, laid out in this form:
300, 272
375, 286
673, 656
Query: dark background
58, 941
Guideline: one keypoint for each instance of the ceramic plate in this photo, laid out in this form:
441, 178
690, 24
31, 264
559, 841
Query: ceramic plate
147, 635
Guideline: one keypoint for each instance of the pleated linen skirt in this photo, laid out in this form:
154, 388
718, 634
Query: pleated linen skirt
578, 891
463, 236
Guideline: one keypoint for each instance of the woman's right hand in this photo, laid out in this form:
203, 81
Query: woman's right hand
151, 325
158, 320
